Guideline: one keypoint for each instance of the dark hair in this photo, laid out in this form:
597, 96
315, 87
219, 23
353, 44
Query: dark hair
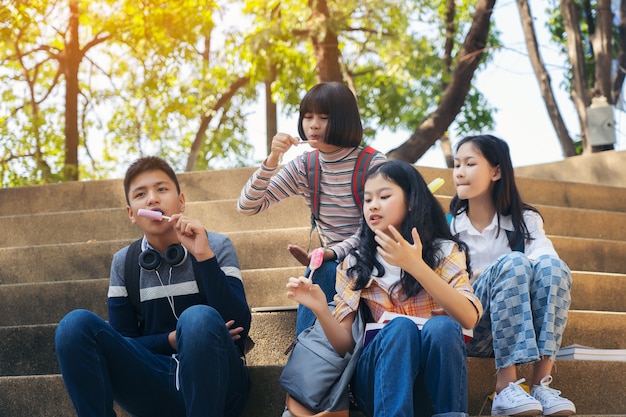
505, 195
148, 163
344, 120
423, 212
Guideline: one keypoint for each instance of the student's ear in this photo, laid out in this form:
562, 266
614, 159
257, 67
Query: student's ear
497, 174
131, 216
181, 202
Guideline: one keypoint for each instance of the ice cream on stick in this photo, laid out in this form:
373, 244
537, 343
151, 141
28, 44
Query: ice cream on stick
152, 214
317, 257
435, 184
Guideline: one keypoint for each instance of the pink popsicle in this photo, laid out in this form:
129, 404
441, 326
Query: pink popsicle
317, 257
152, 214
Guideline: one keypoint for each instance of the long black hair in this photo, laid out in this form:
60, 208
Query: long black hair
423, 212
505, 194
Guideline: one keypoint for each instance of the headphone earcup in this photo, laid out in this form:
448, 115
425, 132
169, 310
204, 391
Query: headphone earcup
149, 259
175, 254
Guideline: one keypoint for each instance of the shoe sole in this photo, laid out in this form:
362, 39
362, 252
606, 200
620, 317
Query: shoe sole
516, 412
559, 413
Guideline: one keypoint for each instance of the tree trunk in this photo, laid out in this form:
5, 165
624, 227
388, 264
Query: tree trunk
206, 120
544, 79
70, 61
270, 110
325, 43
618, 79
444, 140
580, 92
601, 43
454, 95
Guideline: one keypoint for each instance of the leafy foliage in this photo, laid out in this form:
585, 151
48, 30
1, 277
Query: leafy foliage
153, 75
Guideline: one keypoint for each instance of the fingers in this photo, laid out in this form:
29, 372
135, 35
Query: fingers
299, 253
281, 142
387, 242
396, 234
235, 333
298, 285
186, 225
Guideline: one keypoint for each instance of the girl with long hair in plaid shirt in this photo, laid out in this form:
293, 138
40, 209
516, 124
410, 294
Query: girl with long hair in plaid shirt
406, 261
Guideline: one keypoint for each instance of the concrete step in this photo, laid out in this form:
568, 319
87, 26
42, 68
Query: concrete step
583, 254
81, 261
57, 243
29, 350
265, 289
222, 216
227, 184
91, 195
71, 261
113, 223
47, 396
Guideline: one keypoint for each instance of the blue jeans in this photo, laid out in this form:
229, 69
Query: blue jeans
325, 276
407, 372
100, 366
525, 306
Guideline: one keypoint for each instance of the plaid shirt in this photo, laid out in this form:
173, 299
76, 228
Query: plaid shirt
452, 270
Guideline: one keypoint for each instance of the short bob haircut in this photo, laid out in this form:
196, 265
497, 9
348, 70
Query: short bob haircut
148, 163
337, 102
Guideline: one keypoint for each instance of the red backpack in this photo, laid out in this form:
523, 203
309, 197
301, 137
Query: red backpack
358, 178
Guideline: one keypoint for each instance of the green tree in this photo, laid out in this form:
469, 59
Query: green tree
157, 77
42, 56
142, 73
398, 57
584, 31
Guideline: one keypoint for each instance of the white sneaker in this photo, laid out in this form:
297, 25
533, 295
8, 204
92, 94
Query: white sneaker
514, 401
551, 400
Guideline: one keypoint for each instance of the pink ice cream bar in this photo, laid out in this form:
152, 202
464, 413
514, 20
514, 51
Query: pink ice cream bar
317, 257
152, 214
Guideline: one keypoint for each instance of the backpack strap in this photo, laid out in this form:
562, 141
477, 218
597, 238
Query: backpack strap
131, 276
360, 171
358, 177
358, 181
313, 175
518, 245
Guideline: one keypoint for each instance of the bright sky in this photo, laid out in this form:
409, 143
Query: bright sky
509, 84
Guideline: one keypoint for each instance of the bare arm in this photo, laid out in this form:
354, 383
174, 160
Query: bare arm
311, 295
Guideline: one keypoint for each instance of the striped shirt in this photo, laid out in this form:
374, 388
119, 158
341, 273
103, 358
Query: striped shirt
376, 294
339, 217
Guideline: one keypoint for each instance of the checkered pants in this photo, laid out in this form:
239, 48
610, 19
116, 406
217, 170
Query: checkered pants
525, 309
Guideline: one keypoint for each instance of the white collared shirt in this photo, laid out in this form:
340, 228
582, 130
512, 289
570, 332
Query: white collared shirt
486, 247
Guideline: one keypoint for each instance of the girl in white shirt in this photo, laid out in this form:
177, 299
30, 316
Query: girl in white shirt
523, 285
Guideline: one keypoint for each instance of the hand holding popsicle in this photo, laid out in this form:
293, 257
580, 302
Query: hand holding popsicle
152, 214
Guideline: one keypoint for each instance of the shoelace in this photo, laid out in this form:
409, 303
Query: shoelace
516, 393
544, 391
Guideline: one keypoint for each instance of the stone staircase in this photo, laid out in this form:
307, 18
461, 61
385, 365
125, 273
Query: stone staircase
56, 243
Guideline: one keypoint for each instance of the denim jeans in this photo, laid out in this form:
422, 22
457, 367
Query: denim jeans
100, 366
407, 372
525, 306
325, 276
